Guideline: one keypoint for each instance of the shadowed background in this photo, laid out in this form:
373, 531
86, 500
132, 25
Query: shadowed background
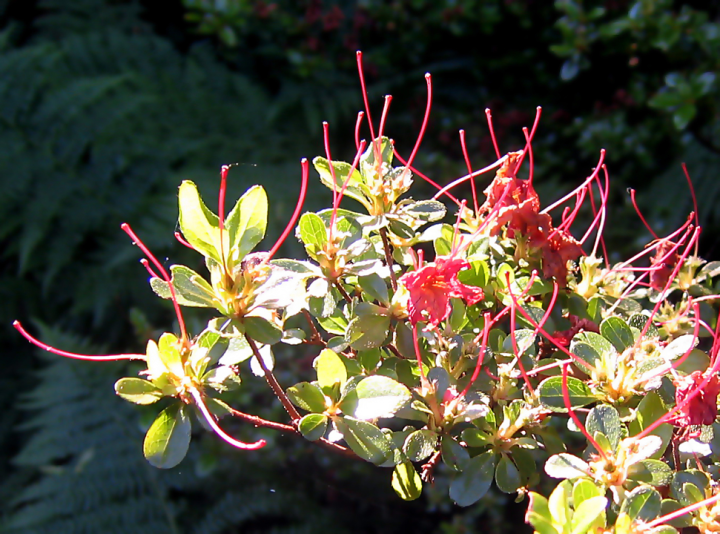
106, 106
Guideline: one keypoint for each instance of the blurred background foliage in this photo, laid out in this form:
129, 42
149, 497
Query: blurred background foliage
107, 105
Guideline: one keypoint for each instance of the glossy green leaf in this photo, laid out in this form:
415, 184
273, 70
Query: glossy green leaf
406, 482
587, 513
653, 472
584, 489
313, 426
469, 486
642, 504
330, 369
138, 390
365, 439
420, 445
683, 115
650, 409
617, 331
367, 331
312, 231
198, 224
191, 289
596, 341
380, 396
566, 465
170, 354
246, 223
559, 503
454, 455
604, 418
262, 330
167, 440
507, 476
538, 515
341, 171
375, 287
307, 396
550, 392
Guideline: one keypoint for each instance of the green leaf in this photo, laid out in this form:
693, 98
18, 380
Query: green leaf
262, 330
312, 231
198, 224
584, 489
566, 465
604, 418
330, 369
650, 409
170, 354
559, 503
342, 170
474, 481
167, 440
138, 390
367, 331
313, 426
551, 396
683, 115
365, 439
538, 515
406, 482
454, 455
420, 444
653, 472
596, 341
642, 504
375, 287
380, 396
191, 288
246, 223
307, 396
426, 210
507, 476
586, 514
617, 331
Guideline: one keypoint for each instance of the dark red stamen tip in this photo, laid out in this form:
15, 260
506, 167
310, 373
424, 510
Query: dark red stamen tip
73, 355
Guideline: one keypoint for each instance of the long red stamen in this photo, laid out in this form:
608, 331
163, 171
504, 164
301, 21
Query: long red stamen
364, 93
410, 160
444, 190
428, 180
454, 246
488, 114
639, 213
358, 122
219, 431
73, 355
326, 140
571, 412
136, 240
221, 208
463, 146
538, 112
336, 205
182, 241
481, 355
146, 264
512, 333
530, 155
298, 207
583, 185
694, 199
681, 511
383, 118
677, 363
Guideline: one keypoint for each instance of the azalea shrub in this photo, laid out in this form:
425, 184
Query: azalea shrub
489, 337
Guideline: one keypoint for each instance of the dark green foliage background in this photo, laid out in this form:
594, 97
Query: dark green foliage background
106, 106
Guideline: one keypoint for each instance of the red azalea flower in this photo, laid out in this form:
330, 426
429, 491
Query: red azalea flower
663, 264
556, 252
432, 286
702, 409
